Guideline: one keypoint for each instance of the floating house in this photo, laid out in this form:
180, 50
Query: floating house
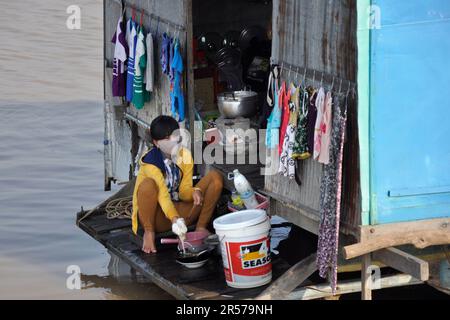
390, 57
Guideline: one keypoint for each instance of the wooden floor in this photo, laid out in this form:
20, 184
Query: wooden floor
207, 282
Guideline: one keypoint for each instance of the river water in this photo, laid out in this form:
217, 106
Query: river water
51, 155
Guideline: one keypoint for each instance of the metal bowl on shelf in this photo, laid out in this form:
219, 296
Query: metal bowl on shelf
236, 104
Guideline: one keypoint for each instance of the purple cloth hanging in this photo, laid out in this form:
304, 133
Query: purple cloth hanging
120, 57
165, 48
330, 199
171, 57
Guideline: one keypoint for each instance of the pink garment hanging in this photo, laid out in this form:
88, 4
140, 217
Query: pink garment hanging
320, 106
325, 130
284, 100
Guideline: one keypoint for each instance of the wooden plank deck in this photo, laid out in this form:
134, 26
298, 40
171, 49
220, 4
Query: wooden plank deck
207, 282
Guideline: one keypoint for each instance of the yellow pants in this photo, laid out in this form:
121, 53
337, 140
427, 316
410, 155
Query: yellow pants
152, 218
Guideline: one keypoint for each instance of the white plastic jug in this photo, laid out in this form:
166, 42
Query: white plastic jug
244, 189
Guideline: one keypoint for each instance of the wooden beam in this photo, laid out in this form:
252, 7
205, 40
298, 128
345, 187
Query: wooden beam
190, 69
438, 273
404, 262
366, 278
351, 286
420, 239
290, 280
369, 232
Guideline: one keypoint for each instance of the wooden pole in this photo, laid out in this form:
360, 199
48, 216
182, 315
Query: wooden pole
190, 69
290, 280
420, 239
366, 278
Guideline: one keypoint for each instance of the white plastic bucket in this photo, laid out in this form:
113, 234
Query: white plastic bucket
245, 247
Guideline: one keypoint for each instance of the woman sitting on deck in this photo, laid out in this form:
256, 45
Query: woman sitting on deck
164, 197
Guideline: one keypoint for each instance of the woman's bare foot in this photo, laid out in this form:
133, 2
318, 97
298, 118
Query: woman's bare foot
149, 242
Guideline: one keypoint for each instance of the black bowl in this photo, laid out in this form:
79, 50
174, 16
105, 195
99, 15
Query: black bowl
193, 257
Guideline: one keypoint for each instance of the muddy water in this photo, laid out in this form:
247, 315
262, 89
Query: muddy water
51, 161
51, 158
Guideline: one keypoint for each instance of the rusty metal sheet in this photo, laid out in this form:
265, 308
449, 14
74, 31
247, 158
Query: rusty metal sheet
320, 35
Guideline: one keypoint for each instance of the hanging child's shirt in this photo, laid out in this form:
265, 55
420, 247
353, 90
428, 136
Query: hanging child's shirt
286, 92
320, 105
165, 48
272, 101
149, 77
176, 92
287, 163
311, 119
131, 37
140, 95
325, 128
274, 121
301, 150
120, 56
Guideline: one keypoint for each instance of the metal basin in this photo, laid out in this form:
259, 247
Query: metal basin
238, 104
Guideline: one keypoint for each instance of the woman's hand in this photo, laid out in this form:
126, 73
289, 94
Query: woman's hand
179, 227
198, 198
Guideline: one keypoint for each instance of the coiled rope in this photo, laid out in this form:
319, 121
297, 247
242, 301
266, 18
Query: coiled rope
120, 208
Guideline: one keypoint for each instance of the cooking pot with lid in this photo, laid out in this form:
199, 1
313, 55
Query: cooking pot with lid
236, 104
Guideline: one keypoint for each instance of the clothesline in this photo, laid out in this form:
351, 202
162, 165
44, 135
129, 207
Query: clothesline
152, 16
314, 76
137, 120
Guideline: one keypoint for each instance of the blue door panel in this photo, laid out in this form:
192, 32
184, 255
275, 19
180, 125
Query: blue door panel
410, 111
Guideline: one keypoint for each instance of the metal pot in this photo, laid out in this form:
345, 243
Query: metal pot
237, 104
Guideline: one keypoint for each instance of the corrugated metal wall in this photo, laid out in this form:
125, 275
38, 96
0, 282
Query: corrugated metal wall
319, 35
118, 135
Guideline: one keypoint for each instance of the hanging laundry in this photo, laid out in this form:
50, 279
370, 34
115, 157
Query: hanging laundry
295, 99
150, 69
120, 57
311, 119
287, 163
272, 88
140, 95
274, 120
320, 106
325, 128
330, 200
131, 37
171, 56
267, 105
164, 55
286, 97
273, 79
176, 92
301, 149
